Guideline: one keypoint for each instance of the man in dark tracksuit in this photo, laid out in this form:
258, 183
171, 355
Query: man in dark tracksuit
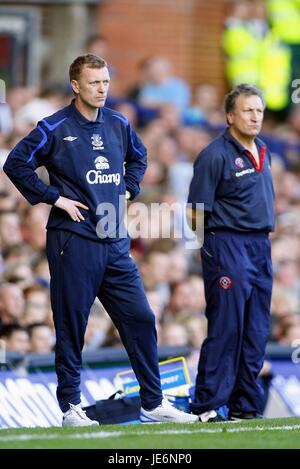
232, 178
93, 158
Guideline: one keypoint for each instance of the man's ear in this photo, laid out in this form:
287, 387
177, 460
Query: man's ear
75, 86
229, 118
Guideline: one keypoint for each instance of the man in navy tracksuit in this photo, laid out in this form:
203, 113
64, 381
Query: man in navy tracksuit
232, 178
94, 160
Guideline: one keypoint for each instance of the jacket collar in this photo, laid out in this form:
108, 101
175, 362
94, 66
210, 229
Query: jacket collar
241, 149
83, 120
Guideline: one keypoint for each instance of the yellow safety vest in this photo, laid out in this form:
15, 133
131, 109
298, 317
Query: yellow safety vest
241, 49
285, 19
264, 62
275, 72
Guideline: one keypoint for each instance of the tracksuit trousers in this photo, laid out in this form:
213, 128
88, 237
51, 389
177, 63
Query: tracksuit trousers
237, 271
80, 270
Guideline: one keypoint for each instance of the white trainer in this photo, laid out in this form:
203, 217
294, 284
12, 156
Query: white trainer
210, 416
165, 412
76, 417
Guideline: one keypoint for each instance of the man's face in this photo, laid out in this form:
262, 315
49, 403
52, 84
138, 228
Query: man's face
41, 340
10, 233
247, 116
12, 301
92, 86
18, 342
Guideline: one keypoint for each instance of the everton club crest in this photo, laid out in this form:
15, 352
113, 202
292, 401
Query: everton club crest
97, 142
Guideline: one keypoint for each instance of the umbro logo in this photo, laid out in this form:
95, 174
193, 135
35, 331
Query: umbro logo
70, 138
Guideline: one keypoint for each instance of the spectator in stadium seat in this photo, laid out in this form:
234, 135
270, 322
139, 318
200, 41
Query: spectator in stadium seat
173, 334
155, 273
12, 304
161, 87
37, 304
10, 233
19, 273
7, 203
41, 272
41, 338
182, 300
97, 328
156, 304
205, 107
84, 147
232, 178
16, 338
290, 335
33, 226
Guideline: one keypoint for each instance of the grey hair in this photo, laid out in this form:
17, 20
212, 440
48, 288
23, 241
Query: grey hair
243, 88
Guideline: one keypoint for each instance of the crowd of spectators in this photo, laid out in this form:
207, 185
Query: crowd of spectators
175, 123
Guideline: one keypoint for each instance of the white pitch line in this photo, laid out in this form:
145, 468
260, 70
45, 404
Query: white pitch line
107, 434
54, 436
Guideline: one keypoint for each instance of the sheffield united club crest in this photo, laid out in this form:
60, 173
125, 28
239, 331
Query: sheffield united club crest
225, 283
239, 162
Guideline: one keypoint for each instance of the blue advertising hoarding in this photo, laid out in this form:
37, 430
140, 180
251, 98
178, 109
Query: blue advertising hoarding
29, 400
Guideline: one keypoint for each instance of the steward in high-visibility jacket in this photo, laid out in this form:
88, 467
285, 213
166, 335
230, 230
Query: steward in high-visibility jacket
265, 62
242, 53
284, 16
275, 72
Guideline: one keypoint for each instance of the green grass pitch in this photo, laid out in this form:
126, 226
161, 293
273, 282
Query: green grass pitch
262, 433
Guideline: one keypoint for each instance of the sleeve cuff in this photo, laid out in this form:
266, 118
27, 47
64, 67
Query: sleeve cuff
51, 195
132, 191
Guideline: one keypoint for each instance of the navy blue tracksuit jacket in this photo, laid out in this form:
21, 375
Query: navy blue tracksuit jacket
238, 197
85, 161
93, 162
